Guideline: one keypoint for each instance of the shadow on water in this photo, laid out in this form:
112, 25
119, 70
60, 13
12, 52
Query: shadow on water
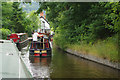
63, 65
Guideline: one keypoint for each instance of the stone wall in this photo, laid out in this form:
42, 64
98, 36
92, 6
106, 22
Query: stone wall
95, 59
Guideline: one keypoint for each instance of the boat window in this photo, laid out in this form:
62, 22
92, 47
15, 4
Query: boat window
1, 41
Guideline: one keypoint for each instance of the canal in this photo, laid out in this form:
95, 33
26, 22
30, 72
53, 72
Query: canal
64, 65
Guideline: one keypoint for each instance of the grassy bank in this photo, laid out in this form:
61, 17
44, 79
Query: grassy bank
106, 49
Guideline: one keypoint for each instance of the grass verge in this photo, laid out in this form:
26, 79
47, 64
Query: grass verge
107, 49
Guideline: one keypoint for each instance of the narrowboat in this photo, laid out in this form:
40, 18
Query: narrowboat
42, 47
20, 39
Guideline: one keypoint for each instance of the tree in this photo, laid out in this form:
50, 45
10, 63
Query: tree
7, 11
17, 21
18, 18
86, 22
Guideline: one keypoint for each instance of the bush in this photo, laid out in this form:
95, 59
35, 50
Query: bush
60, 41
4, 33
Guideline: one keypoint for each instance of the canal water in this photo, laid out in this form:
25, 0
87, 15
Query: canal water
64, 65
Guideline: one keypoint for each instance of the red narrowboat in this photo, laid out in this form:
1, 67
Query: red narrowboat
42, 47
21, 39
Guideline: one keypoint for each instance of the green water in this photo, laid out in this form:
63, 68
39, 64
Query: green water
63, 65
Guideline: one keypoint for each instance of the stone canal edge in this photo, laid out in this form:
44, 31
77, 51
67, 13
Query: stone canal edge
95, 59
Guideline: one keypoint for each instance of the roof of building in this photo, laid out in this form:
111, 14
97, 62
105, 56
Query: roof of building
45, 19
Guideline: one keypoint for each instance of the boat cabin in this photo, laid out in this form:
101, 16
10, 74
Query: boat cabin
42, 46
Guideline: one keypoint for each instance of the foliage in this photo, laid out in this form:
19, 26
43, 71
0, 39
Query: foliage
32, 22
14, 19
7, 15
18, 18
4, 33
86, 22
34, 19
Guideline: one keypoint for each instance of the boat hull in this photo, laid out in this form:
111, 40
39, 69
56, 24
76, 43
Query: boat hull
40, 52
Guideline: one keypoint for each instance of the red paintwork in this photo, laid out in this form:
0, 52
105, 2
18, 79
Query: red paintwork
14, 37
36, 54
44, 54
40, 33
47, 45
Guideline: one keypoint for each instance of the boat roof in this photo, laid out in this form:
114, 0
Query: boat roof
21, 34
11, 65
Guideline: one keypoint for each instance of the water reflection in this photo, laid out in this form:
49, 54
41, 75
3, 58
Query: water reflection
40, 66
65, 65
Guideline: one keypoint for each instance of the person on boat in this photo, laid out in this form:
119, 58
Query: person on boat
35, 35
